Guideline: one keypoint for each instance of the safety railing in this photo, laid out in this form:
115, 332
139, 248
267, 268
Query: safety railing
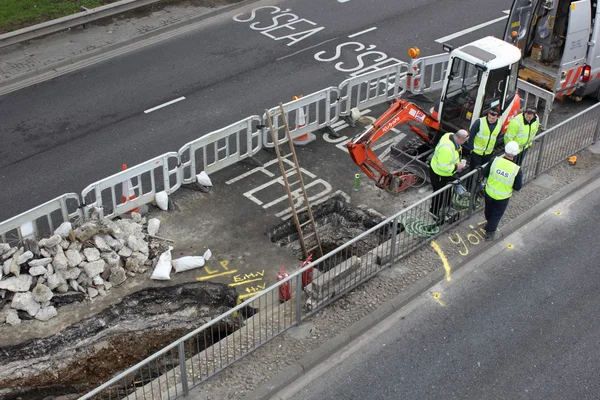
219, 343
41, 220
427, 74
221, 148
133, 187
70, 21
305, 115
542, 100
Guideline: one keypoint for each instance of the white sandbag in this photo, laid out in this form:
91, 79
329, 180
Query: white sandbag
153, 225
203, 179
187, 263
207, 255
162, 200
162, 271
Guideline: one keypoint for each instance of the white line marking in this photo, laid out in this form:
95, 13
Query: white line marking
506, 11
308, 48
343, 1
361, 32
168, 103
469, 30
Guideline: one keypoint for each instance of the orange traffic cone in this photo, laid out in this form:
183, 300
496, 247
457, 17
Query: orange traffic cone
127, 192
307, 138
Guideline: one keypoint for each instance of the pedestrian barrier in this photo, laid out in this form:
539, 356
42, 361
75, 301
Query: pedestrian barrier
370, 89
41, 220
212, 347
221, 148
538, 97
428, 73
321, 109
162, 173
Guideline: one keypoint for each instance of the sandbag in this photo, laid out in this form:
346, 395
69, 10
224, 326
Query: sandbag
153, 226
207, 255
186, 263
203, 179
162, 271
162, 200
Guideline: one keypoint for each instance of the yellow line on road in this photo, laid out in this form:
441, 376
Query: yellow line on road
440, 252
244, 282
203, 278
243, 296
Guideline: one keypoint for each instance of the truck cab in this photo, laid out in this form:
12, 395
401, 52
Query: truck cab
558, 42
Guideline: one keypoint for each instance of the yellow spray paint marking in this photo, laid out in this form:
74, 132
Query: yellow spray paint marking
203, 278
558, 213
225, 265
440, 252
245, 296
437, 296
510, 246
244, 282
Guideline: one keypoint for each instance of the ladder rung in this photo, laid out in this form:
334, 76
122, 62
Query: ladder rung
305, 223
312, 248
289, 155
308, 235
294, 183
290, 170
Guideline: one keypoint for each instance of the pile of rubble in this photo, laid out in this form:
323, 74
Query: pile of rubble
36, 277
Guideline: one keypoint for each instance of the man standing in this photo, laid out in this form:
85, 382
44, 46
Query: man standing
503, 176
444, 164
483, 135
522, 129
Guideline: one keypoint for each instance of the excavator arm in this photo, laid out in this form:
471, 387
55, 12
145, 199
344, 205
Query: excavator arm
400, 112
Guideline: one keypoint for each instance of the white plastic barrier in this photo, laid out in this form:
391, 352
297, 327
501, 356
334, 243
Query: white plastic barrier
134, 187
43, 219
220, 149
538, 97
427, 74
372, 88
320, 110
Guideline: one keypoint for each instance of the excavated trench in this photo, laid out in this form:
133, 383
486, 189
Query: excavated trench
337, 223
92, 351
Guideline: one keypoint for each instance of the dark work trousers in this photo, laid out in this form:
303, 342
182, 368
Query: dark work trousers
477, 160
443, 199
494, 210
520, 157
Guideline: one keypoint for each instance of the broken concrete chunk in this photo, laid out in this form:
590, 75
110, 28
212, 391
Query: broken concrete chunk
4, 247
112, 259
35, 271
15, 268
23, 258
55, 280
100, 243
46, 313
7, 254
41, 262
77, 246
12, 317
92, 292
94, 268
117, 276
107, 285
134, 243
153, 226
60, 262
136, 217
64, 229
52, 241
45, 253
65, 244
6, 266
71, 273
25, 301
91, 254
63, 287
97, 281
125, 252
112, 242
73, 258
41, 293
20, 283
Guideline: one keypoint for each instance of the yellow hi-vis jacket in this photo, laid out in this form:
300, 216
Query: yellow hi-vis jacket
521, 132
485, 140
502, 177
445, 156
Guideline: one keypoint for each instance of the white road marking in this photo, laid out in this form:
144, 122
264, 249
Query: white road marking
361, 32
469, 30
308, 48
343, 1
168, 103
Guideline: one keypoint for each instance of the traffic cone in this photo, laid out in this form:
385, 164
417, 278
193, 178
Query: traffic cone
307, 138
127, 192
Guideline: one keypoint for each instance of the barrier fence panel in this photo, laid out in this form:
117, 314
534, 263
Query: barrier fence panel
41, 220
304, 115
134, 187
428, 73
221, 148
532, 95
370, 89
223, 340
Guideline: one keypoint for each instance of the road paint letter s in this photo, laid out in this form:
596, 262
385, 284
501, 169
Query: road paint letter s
238, 17
338, 51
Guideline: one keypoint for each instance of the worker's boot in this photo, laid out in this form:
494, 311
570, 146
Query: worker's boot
489, 236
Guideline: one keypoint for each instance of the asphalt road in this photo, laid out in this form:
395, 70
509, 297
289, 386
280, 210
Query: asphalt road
61, 135
521, 325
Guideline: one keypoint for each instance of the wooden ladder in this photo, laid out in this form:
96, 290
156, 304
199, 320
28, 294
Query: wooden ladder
310, 242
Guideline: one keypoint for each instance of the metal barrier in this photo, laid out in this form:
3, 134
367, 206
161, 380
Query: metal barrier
427, 74
212, 347
43, 219
133, 187
372, 88
221, 148
321, 109
531, 95
70, 21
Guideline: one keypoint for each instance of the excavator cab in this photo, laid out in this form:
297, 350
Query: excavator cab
481, 75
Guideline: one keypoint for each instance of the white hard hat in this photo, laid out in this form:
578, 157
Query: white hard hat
511, 148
